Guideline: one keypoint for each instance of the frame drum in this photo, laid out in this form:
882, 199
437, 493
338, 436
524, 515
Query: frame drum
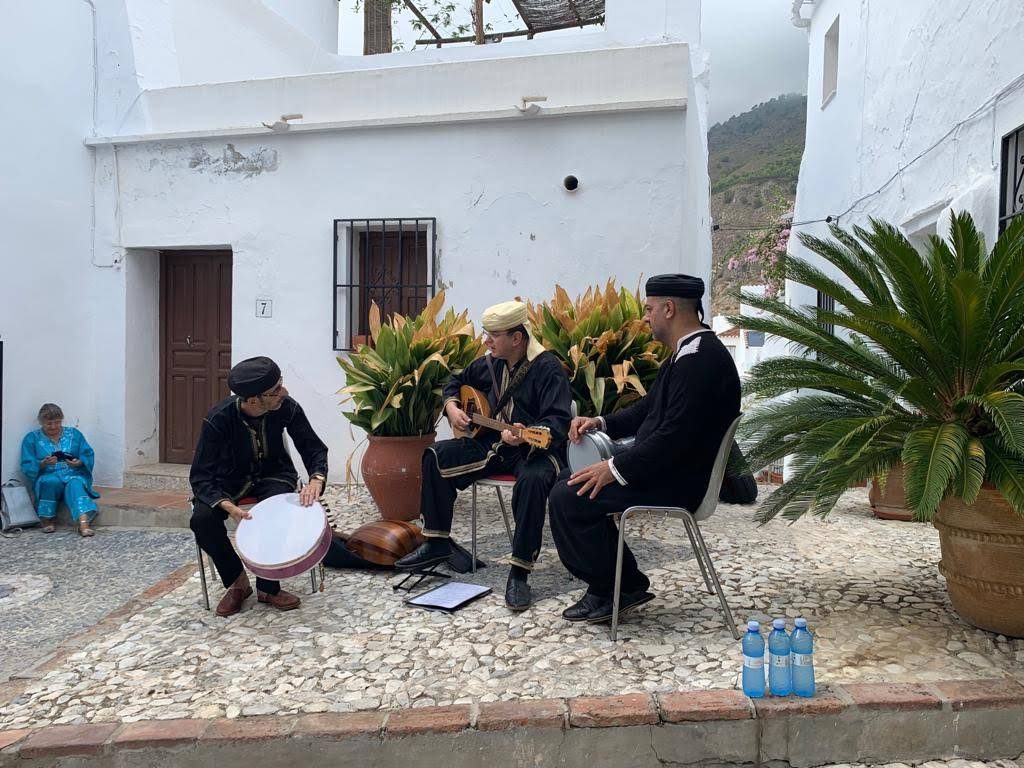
283, 538
595, 446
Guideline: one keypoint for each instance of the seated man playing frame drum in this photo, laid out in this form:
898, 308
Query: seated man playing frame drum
678, 425
241, 453
524, 385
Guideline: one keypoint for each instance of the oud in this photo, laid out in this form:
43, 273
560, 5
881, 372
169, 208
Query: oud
475, 404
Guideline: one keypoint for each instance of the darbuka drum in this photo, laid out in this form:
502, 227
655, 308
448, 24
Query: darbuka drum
595, 446
283, 538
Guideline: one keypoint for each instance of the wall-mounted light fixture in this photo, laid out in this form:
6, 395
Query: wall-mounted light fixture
280, 126
528, 105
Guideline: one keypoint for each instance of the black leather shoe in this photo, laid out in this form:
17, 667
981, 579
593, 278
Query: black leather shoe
430, 552
579, 610
628, 601
517, 594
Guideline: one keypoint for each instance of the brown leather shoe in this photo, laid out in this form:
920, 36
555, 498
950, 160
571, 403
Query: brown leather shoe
283, 601
232, 601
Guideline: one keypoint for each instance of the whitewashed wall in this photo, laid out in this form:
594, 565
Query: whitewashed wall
909, 74
81, 227
506, 226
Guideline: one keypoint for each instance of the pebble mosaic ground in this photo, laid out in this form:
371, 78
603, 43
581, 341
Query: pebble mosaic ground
869, 589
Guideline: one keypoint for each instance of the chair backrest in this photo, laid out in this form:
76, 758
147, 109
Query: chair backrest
710, 502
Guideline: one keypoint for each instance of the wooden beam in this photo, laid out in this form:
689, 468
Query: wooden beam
478, 22
423, 20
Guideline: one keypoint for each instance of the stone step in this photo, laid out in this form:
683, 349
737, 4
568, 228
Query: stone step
139, 508
158, 477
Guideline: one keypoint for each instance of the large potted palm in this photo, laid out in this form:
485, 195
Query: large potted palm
394, 385
925, 369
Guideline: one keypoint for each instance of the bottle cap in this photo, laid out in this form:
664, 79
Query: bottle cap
753, 626
800, 623
779, 623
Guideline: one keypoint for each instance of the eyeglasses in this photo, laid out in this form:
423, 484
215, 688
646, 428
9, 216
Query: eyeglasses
275, 391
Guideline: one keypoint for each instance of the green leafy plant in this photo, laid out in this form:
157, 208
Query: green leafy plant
926, 368
395, 383
604, 344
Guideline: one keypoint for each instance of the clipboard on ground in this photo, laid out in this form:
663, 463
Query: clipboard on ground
448, 597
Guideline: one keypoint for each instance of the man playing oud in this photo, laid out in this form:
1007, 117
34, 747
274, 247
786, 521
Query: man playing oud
524, 385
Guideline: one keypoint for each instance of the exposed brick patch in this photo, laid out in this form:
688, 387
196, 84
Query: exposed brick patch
249, 729
701, 706
977, 694
12, 737
160, 733
895, 696
824, 702
604, 711
504, 715
410, 722
342, 725
65, 740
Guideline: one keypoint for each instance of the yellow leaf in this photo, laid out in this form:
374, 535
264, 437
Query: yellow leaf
374, 321
434, 306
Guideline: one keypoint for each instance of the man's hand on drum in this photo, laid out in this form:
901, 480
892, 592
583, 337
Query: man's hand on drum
581, 425
592, 479
311, 491
509, 438
457, 417
237, 513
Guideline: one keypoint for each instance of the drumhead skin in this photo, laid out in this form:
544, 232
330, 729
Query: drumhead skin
592, 448
283, 538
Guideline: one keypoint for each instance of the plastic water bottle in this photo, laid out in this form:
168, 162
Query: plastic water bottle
802, 645
753, 661
780, 676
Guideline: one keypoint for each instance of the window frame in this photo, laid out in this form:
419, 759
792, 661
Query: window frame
1011, 174
830, 64
344, 235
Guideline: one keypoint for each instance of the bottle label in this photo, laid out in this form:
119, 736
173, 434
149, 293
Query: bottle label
802, 660
753, 662
779, 660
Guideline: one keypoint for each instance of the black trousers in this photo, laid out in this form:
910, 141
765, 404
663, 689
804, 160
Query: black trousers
450, 466
587, 538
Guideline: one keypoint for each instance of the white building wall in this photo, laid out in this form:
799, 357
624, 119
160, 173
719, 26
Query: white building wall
82, 227
927, 89
505, 224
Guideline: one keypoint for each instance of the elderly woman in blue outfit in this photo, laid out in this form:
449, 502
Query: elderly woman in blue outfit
58, 460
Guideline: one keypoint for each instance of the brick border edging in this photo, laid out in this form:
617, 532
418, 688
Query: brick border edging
705, 708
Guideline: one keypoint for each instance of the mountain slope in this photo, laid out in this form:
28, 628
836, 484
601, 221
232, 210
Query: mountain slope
754, 160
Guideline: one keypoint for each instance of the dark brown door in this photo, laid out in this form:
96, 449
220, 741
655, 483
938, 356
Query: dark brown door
195, 331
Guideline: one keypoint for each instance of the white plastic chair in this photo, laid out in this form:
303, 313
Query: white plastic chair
690, 519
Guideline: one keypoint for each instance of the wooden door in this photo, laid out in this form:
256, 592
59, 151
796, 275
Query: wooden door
393, 267
195, 355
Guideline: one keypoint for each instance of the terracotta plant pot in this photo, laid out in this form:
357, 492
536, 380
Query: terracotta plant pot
983, 561
890, 502
392, 473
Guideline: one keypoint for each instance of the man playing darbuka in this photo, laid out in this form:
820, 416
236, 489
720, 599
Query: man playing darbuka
241, 453
524, 385
679, 426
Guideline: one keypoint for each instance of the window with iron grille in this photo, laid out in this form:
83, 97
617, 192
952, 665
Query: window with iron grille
828, 304
388, 261
1011, 188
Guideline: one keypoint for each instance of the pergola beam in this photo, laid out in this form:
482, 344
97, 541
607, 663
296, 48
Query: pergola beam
423, 19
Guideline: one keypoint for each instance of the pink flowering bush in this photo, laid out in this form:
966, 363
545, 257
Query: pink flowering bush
768, 252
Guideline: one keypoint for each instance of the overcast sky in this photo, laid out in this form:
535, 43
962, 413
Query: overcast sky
756, 53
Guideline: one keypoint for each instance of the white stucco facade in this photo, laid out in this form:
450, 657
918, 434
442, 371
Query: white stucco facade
925, 92
162, 147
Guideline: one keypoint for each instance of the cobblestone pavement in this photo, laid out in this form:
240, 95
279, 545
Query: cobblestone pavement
869, 589
53, 586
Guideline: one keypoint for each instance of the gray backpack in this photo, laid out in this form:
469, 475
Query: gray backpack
16, 510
